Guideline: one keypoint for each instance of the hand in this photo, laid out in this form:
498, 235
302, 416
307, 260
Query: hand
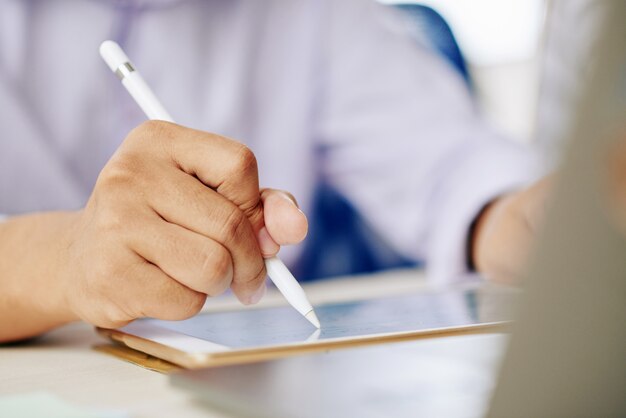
506, 230
176, 215
616, 181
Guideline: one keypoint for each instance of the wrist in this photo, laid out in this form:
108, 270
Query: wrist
32, 294
64, 239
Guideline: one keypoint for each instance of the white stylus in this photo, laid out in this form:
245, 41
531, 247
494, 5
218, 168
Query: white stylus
119, 63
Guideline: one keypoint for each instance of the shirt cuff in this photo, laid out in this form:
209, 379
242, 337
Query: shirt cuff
479, 179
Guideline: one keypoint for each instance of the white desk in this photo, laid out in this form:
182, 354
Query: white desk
63, 362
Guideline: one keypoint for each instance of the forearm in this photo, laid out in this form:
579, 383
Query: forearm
31, 295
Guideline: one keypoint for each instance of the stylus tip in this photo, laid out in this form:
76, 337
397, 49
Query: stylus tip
313, 319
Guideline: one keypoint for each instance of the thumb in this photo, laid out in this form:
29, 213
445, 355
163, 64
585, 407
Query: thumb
285, 223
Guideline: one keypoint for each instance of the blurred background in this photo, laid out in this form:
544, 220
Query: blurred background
497, 47
500, 42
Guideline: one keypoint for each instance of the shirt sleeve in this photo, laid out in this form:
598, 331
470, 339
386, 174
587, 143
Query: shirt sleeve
401, 138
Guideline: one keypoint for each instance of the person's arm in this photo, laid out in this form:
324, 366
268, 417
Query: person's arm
402, 140
176, 216
505, 231
31, 297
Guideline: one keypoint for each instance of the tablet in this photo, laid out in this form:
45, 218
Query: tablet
240, 336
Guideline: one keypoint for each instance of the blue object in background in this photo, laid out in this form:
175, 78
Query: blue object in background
339, 241
434, 29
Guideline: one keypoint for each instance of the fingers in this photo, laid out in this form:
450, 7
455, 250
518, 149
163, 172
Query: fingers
285, 222
195, 261
224, 165
156, 295
175, 215
186, 202
136, 289
209, 185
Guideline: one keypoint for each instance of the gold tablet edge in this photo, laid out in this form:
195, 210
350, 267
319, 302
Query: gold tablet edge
204, 360
138, 358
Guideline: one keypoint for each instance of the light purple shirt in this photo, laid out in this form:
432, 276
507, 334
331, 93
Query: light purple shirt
319, 89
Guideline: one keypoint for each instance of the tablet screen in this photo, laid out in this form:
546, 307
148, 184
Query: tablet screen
257, 328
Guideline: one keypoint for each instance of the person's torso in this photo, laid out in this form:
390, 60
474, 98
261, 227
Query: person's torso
240, 68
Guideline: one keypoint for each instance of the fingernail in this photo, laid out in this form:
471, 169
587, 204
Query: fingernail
293, 203
266, 243
258, 295
286, 197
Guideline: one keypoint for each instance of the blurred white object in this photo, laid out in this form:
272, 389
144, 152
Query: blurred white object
492, 32
500, 41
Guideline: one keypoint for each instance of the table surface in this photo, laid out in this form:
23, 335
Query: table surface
64, 363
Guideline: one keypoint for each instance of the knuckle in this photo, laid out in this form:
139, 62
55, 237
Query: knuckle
191, 305
119, 172
149, 129
254, 278
245, 161
152, 138
106, 314
112, 224
233, 224
217, 265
